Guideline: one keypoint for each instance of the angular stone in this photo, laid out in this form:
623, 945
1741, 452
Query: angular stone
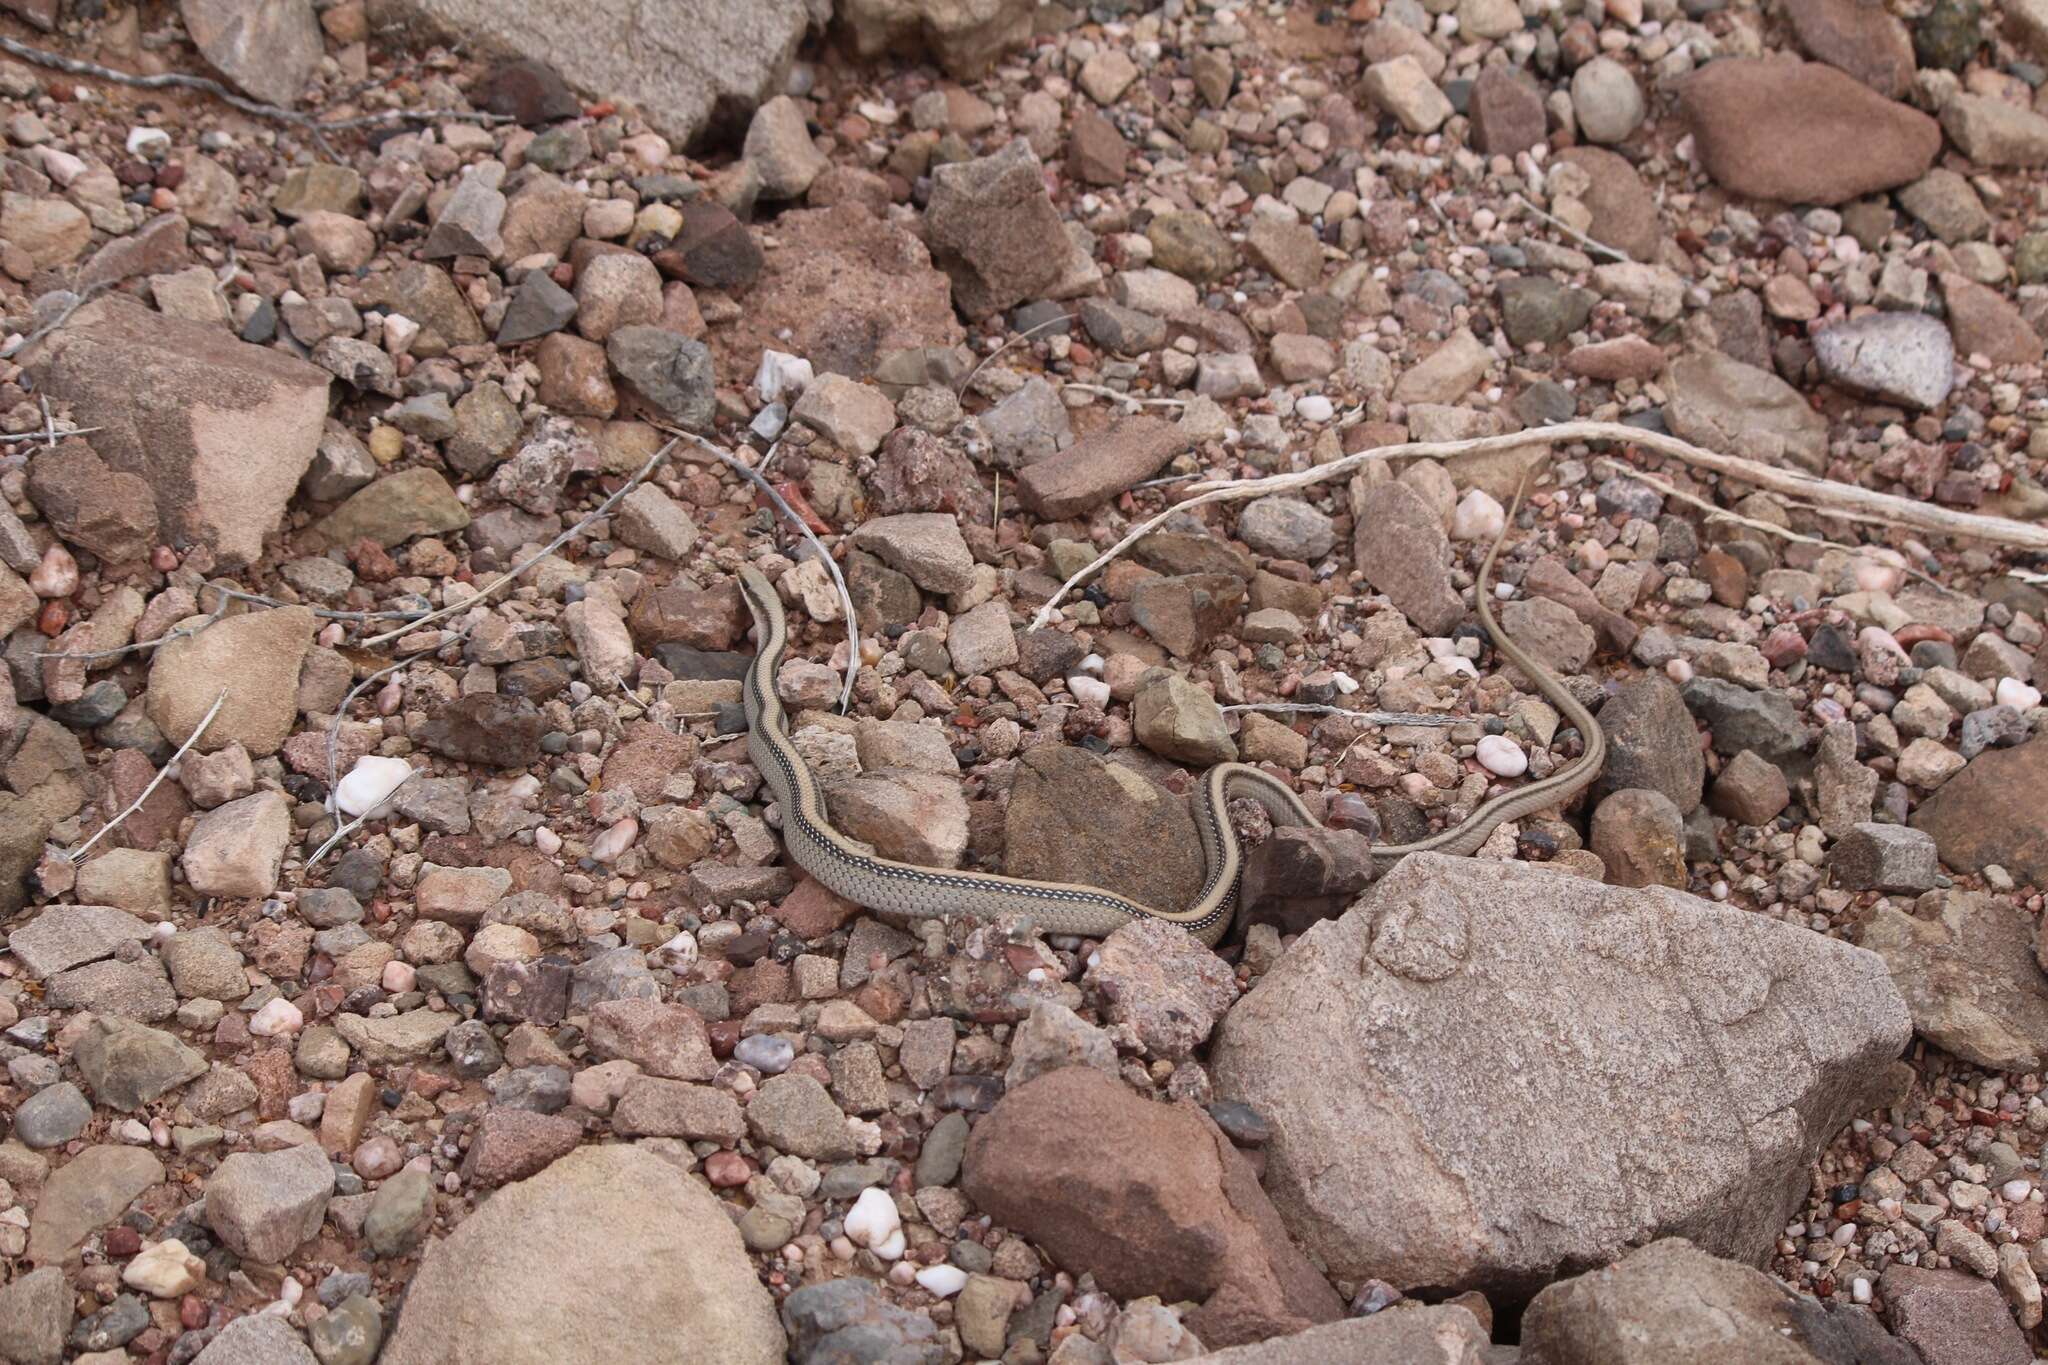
1970, 978
1862, 39
1971, 820
264, 1205
1073, 818
130, 1065
1151, 1199
1098, 467
257, 1339
925, 546
268, 50
1898, 357
964, 39
1726, 405
222, 431
1952, 1318
667, 371
109, 512
1875, 857
697, 70
85, 1194
254, 659
1185, 612
554, 1268
1454, 943
1176, 719
236, 850
1403, 552
35, 1317
65, 936
992, 227
391, 511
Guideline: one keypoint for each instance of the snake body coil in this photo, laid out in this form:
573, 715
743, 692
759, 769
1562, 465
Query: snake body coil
852, 870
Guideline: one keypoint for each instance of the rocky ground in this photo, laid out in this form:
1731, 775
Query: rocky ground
401, 963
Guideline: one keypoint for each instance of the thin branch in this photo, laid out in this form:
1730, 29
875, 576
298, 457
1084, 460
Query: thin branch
557, 543
1364, 717
43, 433
341, 713
1066, 318
831, 565
178, 79
154, 782
229, 596
1104, 391
352, 826
78, 301
1897, 511
1595, 248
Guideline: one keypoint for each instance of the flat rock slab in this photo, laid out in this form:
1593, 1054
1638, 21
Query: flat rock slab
1971, 816
84, 1194
1670, 1067
609, 1254
1970, 977
67, 936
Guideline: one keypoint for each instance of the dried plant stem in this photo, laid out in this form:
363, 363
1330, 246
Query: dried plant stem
133, 806
352, 826
1363, 717
1824, 493
781, 504
1104, 391
1594, 248
228, 597
516, 570
1028, 333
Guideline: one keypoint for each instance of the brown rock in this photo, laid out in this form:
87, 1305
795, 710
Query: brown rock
1624, 211
222, 431
1971, 816
1984, 323
1073, 818
1149, 1198
1402, 550
1628, 357
993, 229
106, 511
512, 1144
666, 1040
1097, 153
255, 658
1859, 37
1775, 130
575, 378
1186, 612
1507, 112
1640, 837
268, 50
1098, 467
1952, 1318
1750, 790
843, 288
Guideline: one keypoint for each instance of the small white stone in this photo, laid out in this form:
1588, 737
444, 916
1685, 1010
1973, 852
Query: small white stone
782, 377
1478, 517
611, 845
1501, 756
1679, 671
277, 1018
165, 1271
148, 142
2016, 694
547, 841
2014, 1190
368, 785
399, 977
1859, 1289
1089, 691
873, 1219
893, 1248
943, 1280
1315, 408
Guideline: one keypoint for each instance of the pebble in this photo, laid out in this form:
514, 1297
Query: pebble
1501, 756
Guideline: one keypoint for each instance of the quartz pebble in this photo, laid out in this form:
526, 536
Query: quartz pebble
1501, 756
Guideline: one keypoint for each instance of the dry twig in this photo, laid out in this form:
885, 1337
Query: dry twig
352, 826
516, 570
1593, 248
1832, 496
133, 806
228, 597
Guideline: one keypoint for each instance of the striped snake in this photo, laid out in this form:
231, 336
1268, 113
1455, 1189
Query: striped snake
852, 869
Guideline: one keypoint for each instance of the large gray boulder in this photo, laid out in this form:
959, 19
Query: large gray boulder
1486, 1075
687, 65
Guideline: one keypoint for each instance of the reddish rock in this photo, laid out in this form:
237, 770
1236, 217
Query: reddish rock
677, 614
1984, 323
512, 1144
664, 1040
1624, 211
646, 759
1858, 36
1628, 357
1097, 153
1507, 112
1098, 467
1149, 1198
812, 911
1971, 817
918, 472
843, 288
1775, 130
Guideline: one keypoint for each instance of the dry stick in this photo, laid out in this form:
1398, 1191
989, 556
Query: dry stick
1021, 336
831, 565
1593, 247
317, 127
228, 596
154, 782
1104, 391
1715, 513
42, 433
455, 608
78, 301
1364, 717
1895, 511
352, 826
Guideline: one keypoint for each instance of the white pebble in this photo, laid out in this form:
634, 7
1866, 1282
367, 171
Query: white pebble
368, 785
400, 977
277, 1018
611, 845
1315, 408
943, 1280
1089, 691
782, 377
1679, 671
148, 142
1501, 756
873, 1220
1859, 1289
893, 1248
1478, 517
547, 841
2014, 1190
2016, 694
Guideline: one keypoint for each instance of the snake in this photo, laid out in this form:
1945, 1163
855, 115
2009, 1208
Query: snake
855, 871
